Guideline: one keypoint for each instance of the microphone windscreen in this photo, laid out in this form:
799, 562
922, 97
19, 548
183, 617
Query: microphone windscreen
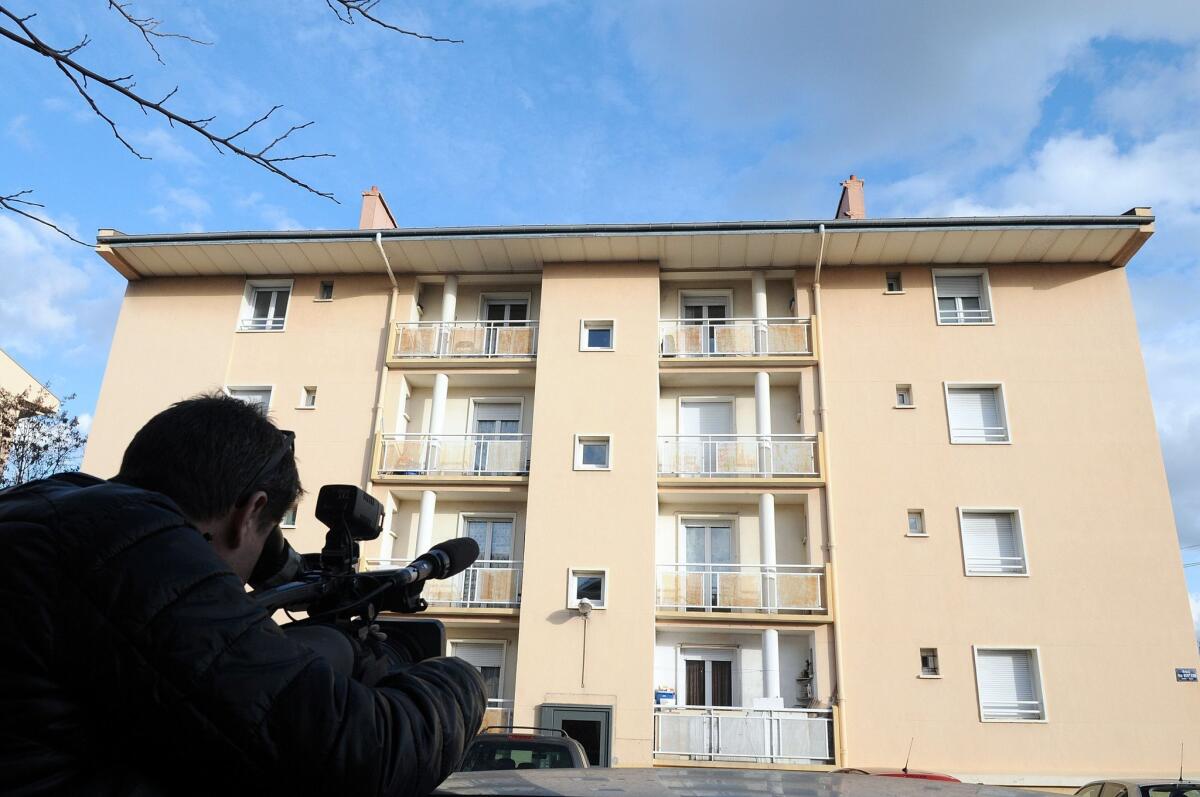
462, 552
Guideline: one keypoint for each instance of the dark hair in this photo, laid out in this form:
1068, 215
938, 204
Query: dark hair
204, 452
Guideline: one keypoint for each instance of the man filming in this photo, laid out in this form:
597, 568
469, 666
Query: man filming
133, 662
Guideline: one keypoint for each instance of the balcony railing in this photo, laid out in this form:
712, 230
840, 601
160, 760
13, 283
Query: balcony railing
734, 337
979, 434
732, 455
498, 712
775, 736
487, 584
965, 316
465, 339
261, 324
499, 454
740, 588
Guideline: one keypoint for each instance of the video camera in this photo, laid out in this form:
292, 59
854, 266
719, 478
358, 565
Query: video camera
343, 604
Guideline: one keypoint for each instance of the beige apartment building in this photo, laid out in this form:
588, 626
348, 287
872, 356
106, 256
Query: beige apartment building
783, 494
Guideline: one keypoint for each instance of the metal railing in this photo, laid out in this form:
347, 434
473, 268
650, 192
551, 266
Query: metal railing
465, 339
487, 584
740, 588
498, 454
734, 337
498, 712
980, 434
1012, 710
261, 324
770, 736
733, 455
983, 316
991, 565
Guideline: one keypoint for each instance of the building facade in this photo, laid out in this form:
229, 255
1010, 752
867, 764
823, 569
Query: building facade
783, 494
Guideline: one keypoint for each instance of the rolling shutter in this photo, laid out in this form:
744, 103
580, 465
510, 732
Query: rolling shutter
1008, 684
496, 411
948, 287
705, 417
990, 543
975, 415
480, 654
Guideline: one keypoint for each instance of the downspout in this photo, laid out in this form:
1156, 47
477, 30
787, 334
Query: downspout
835, 627
385, 544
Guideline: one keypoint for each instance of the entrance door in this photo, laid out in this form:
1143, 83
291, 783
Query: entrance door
708, 678
497, 449
705, 445
707, 312
495, 538
502, 312
591, 726
708, 544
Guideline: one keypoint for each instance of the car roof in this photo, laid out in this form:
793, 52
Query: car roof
1140, 782
679, 782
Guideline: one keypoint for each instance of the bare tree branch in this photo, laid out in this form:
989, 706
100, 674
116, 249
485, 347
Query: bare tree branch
148, 26
11, 201
348, 8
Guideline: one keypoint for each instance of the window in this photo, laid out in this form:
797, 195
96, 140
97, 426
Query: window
597, 336
308, 398
258, 396
289, 518
590, 585
976, 414
325, 292
929, 663
1010, 687
904, 397
962, 297
992, 543
592, 452
893, 282
488, 658
264, 305
916, 523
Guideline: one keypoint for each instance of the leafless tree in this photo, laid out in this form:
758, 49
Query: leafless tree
38, 436
92, 86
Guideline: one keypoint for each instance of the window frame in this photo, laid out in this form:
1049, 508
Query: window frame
503, 643
580, 440
320, 288
887, 290
907, 527
985, 295
912, 397
304, 395
270, 389
1018, 530
295, 510
246, 313
1039, 683
586, 324
1001, 390
572, 577
937, 670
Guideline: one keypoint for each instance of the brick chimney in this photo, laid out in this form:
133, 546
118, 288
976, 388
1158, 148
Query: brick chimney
375, 213
852, 205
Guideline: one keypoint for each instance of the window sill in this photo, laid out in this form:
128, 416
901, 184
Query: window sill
894, 293
610, 348
996, 575
918, 536
1014, 721
925, 677
305, 408
904, 406
954, 442
287, 527
968, 324
322, 300
591, 467
258, 331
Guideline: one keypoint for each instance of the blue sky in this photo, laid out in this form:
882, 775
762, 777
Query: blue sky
571, 112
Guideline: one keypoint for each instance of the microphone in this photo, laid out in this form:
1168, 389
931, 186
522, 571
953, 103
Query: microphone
443, 560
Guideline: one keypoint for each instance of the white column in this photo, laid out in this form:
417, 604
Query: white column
425, 521
388, 542
437, 416
770, 667
758, 287
766, 528
449, 298
762, 419
770, 637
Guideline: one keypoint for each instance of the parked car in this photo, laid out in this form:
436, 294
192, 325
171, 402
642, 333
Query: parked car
1140, 788
898, 773
519, 747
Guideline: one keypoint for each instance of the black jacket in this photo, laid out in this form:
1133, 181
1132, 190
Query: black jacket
132, 663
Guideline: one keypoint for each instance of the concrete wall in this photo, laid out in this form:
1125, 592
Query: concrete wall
1105, 600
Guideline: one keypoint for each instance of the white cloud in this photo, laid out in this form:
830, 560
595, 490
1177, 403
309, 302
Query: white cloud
274, 216
163, 145
18, 130
181, 209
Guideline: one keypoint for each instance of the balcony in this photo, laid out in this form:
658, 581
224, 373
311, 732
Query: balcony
774, 736
734, 456
741, 590
464, 341
725, 338
487, 584
498, 713
455, 455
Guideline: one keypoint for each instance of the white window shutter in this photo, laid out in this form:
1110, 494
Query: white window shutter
497, 411
990, 543
480, 654
706, 417
975, 415
1008, 684
959, 286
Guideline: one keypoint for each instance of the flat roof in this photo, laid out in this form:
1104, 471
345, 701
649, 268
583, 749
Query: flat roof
690, 246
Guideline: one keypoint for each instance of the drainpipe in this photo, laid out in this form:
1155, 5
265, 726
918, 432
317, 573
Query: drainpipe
835, 631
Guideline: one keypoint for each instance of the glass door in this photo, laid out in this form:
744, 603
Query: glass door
495, 538
499, 312
708, 678
497, 448
706, 312
705, 445
708, 544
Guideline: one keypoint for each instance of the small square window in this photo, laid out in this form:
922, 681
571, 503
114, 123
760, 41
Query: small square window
325, 292
589, 585
592, 452
916, 523
904, 396
308, 398
929, 662
894, 284
596, 336
289, 518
